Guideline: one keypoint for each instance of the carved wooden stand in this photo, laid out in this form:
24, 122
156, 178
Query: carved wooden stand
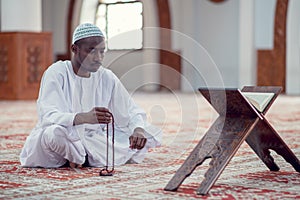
238, 121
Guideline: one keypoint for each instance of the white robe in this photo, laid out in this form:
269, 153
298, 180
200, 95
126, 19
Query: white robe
62, 94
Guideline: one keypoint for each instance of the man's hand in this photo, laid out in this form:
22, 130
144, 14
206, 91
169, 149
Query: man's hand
98, 115
137, 139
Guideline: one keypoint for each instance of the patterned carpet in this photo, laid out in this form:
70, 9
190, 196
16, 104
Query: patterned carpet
184, 119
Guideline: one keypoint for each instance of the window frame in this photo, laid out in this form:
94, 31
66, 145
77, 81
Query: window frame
106, 23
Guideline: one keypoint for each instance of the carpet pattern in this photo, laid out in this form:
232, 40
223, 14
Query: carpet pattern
184, 119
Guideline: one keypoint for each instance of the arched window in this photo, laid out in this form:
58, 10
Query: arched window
122, 22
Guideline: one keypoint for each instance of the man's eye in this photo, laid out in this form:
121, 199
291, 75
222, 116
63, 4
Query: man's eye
94, 51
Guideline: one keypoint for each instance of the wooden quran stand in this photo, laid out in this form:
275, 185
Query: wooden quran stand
238, 121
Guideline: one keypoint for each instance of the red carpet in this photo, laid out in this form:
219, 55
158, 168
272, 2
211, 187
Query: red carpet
184, 119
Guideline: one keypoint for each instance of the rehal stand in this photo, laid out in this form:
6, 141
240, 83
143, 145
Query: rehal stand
238, 121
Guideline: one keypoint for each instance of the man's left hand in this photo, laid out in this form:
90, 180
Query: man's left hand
137, 139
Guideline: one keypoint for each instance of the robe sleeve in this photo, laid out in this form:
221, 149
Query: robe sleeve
52, 103
126, 113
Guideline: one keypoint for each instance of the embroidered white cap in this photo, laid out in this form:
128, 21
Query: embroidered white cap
86, 30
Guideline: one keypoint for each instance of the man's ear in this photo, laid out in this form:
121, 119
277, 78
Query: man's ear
74, 48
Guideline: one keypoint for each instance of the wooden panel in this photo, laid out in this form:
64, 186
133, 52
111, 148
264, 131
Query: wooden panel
170, 61
271, 64
24, 56
170, 70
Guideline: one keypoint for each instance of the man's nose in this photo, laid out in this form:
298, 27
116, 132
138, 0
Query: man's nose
98, 55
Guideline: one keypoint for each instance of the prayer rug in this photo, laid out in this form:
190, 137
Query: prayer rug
184, 119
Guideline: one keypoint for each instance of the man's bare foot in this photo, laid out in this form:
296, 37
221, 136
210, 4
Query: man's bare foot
74, 165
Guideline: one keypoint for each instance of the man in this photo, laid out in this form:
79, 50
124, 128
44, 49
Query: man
75, 101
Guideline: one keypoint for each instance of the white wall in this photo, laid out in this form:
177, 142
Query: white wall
293, 48
218, 32
55, 14
20, 15
247, 50
264, 23
208, 41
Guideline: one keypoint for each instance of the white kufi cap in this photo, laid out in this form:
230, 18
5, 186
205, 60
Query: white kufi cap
86, 30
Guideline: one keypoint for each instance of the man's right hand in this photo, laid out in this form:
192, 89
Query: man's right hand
98, 115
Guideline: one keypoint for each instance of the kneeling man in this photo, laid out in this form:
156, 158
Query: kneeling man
75, 103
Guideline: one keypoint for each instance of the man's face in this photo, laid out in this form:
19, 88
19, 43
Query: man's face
90, 53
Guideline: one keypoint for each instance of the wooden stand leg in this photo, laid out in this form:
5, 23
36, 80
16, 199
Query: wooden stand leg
264, 137
200, 153
220, 144
234, 133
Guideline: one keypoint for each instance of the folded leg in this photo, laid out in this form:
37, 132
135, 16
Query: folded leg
263, 138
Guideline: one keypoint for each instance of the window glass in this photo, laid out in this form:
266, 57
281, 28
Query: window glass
122, 23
